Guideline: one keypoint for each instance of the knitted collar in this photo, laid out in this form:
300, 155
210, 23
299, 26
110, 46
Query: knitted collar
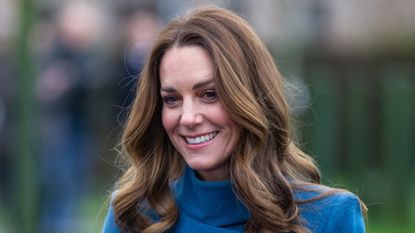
207, 202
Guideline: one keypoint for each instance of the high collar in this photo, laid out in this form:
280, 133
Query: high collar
209, 202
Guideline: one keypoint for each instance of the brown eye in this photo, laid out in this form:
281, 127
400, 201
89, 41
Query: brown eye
170, 100
209, 96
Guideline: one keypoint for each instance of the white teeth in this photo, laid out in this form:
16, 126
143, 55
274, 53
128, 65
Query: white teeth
201, 139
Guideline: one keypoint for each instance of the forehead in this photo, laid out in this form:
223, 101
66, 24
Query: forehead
187, 63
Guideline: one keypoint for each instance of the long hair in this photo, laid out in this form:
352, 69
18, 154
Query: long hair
265, 162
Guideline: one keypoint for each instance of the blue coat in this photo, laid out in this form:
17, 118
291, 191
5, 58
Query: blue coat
210, 207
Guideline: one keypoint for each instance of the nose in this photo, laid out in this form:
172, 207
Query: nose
191, 115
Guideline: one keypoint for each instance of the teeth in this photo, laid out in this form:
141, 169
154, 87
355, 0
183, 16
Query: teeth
201, 139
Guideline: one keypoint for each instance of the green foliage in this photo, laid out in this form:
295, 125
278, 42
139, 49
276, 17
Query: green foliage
24, 214
362, 132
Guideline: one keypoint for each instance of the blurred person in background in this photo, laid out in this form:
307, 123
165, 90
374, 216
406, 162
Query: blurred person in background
8, 31
139, 26
5, 129
72, 70
209, 142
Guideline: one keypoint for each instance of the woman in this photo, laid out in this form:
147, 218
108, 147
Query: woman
209, 142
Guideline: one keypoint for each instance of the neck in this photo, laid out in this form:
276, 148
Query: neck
219, 174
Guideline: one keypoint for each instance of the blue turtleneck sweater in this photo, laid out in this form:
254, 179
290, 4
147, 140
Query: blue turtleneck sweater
212, 207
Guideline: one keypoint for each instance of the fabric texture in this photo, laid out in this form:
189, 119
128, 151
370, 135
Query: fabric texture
212, 207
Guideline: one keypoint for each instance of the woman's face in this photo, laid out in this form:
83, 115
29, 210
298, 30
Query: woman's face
193, 116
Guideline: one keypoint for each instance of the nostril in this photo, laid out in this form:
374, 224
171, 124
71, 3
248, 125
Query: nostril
190, 120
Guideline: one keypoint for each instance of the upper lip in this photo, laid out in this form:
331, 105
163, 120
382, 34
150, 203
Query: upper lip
198, 135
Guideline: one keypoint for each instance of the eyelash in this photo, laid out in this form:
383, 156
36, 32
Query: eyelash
170, 100
209, 99
206, 96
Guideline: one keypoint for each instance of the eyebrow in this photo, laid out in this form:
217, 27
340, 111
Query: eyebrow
196, 86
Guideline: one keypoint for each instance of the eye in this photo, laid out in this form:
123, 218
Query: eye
170, 100
209, 96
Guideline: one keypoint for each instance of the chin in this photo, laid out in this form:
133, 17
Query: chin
200, 165
208, 171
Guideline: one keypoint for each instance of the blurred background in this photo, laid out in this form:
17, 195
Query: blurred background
68, 70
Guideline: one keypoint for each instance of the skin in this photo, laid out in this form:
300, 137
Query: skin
193, 116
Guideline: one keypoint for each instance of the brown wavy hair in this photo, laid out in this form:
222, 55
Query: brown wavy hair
265, 163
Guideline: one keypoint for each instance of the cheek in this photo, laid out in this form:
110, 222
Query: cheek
168, 120
223, 118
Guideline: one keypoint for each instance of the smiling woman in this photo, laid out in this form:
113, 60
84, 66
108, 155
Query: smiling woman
210, 145
193, 116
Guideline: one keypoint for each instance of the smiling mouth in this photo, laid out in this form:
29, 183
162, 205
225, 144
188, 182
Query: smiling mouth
201, 139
